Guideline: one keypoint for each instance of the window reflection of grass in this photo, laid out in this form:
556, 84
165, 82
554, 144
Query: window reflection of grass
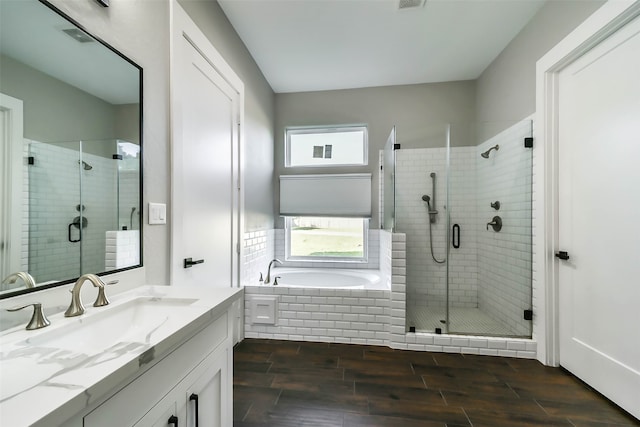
344, 242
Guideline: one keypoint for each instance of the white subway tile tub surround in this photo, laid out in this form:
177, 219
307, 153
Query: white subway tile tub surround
373, 262
258, 250
504, 258
122, 249
356, 316
367, 317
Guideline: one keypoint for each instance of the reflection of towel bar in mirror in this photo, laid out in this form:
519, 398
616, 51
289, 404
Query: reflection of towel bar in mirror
71, 162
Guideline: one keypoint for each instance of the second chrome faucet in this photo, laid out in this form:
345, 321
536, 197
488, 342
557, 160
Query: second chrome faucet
76, 308
267, 279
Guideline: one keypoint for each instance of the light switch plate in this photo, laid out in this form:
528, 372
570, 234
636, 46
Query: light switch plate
157, 213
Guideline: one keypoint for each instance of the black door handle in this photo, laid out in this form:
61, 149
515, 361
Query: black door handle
562, 255
173, 420
194, 397
189, 262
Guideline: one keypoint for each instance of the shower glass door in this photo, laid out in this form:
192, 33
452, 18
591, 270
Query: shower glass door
490, 253
388, 196
51, 205
78, 195
421, 213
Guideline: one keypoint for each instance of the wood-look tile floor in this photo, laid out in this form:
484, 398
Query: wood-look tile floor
287, 383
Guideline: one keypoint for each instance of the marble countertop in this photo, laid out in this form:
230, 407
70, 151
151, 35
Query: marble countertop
51, 374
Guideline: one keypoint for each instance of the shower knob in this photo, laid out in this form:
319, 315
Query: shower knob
496, 205
496, 224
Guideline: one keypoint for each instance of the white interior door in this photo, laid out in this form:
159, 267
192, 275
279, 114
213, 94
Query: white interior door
11, 184
599, 202
206, 115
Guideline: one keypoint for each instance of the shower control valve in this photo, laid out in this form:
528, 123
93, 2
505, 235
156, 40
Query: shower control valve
496, 205
496, 224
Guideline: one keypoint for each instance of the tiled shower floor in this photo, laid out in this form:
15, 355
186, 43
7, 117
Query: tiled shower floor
471, 321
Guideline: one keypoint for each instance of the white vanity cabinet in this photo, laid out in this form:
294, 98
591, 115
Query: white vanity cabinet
201, 399
191, 386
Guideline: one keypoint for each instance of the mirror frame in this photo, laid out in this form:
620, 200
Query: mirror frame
9, 294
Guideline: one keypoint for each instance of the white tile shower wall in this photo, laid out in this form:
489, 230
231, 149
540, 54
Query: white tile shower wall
99, 196
504, 258
373, 262
24, 233
425, 277
53, 182
463, 261
258, 250
326, 315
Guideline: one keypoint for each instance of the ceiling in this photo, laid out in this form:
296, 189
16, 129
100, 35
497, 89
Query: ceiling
313, 45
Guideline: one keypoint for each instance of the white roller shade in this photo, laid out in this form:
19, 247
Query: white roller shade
345, 195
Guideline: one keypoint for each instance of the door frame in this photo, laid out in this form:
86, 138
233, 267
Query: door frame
183, 27
612, 16
13, 159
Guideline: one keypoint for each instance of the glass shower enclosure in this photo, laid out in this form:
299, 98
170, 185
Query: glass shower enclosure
74, 193
466, 212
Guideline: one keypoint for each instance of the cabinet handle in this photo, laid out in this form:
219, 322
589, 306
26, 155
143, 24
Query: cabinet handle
194, 397
173, 420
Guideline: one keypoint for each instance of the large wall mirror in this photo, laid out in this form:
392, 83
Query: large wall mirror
70, 151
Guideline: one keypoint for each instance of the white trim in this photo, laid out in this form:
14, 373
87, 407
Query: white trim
182, 26
11, 191
604, 22
301, 130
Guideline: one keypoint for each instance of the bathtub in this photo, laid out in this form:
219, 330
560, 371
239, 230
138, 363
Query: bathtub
329, 278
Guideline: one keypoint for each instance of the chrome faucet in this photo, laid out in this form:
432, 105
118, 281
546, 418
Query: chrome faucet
267, 280
76, 308
28, 280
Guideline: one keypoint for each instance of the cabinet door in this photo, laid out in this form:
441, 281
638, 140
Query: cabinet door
164, 414
208, 399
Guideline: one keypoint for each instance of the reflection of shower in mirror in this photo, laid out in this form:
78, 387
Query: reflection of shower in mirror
86, 166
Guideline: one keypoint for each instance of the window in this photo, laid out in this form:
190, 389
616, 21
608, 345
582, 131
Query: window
326, 239
326, 146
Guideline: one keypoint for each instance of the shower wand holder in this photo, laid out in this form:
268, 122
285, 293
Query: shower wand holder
496, 224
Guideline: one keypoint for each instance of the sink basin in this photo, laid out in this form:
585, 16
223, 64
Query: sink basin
100, 335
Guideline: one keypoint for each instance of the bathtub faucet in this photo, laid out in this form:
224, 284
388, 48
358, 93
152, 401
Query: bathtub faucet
267, 279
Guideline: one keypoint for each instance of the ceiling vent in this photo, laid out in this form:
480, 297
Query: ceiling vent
78, 35
410, 4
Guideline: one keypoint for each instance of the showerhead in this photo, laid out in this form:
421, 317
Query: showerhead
86, 166
485, 155
426, 198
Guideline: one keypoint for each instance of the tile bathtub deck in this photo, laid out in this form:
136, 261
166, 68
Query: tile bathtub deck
288, 383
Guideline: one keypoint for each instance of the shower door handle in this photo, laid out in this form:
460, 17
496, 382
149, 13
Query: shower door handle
69, 235
563, 255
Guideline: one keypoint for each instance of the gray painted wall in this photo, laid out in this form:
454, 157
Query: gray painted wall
419, 112
258, 106
55, 111
506, 89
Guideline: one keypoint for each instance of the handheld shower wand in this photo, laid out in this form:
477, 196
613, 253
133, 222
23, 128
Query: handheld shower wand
432, 214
